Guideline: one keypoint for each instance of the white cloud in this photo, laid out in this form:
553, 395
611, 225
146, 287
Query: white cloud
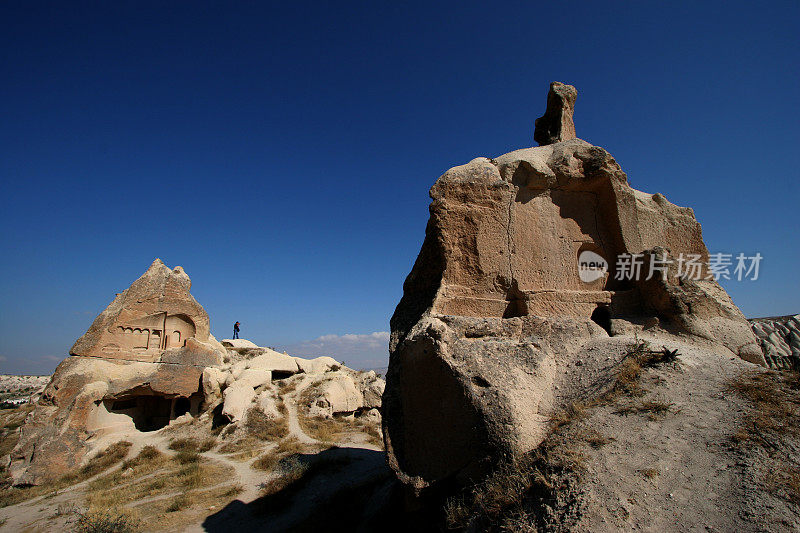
369, 350
3, 358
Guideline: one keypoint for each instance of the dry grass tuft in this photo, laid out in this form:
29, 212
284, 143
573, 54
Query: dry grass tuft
654, 409
186, 458
594, 438
287, 386
106, 459
628, 379
571, 413
785, 483
263, 428
192, 445
649, 473
106, 521
178, 503
286, 447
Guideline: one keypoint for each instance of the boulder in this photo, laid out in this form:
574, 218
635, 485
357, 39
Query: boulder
267, 401
338, 393
213, 380
274, 361
517, 284
320, 365
238, 343
238, 398
371, 416
371, 388
255, 377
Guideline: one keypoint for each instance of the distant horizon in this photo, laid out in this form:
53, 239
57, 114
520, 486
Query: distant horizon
282, 153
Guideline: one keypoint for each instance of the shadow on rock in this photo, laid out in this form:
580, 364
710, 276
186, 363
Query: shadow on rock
339, 489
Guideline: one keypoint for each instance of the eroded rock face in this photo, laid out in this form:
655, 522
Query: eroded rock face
495, 307
556, 124
156, 313
138, 367
779, 338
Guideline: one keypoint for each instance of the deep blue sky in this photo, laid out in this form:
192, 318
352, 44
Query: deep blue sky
282, 153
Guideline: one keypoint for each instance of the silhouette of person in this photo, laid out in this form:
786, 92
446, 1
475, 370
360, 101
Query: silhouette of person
236, 330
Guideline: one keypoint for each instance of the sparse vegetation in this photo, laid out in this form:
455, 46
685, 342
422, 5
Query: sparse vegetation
169, 487
287, 386
654, 409
263, 428
103, 460
291, 475
649, 473
594, 438
178, 502
192, 445
288, 446
106, 521
775, 416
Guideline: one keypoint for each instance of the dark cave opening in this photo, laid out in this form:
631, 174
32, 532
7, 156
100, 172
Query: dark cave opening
602, 317
149, 413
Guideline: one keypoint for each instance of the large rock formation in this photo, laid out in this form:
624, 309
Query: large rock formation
138, 366
499, 303
147, 360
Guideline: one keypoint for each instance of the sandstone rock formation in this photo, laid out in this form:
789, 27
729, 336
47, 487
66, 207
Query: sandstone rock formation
779, 337
495, 308
138, 366
556, 124
343, 391
156, 313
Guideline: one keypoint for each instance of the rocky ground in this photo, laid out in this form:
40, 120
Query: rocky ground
196, 476
702, 442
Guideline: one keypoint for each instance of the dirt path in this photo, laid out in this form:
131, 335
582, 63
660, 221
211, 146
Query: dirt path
290, 400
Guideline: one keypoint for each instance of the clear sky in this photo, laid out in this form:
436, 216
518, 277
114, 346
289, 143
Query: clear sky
282, 152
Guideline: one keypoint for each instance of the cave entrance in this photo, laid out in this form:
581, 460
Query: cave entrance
282, 374
182, 406
602, 317
151, 412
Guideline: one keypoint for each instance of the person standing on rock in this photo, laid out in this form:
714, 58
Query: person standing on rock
236, 330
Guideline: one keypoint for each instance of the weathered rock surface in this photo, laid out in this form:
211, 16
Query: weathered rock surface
320, 365
344, 391
495, 309
556, 124
154, 314
237, 400
779, 338
238, 343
